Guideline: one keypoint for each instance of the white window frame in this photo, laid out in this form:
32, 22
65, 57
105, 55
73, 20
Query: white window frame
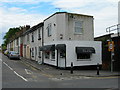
32, 36
39, 34
78, 26
49, 29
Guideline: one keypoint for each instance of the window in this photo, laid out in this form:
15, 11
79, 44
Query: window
83, 55
32, 52
53, 54
47, 55
32, 37
78, 27
39, 52
28, 37
39, 36
49, 29
17, 42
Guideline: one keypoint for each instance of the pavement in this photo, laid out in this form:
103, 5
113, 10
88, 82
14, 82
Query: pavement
52, 71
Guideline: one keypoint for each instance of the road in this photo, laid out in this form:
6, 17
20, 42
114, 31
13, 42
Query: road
16, 74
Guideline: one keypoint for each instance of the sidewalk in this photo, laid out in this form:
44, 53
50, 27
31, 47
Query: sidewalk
52, 71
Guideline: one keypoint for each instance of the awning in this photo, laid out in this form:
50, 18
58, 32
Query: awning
48, 48
85, 50
61, 47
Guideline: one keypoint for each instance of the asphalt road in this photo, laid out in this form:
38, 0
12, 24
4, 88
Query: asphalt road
16, 74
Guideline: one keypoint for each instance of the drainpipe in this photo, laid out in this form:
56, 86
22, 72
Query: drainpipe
42, 43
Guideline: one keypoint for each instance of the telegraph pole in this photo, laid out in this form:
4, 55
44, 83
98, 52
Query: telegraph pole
111, 43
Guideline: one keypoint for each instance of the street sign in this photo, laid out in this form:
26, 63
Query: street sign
111, 46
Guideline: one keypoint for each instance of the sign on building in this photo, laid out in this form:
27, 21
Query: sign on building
111, 46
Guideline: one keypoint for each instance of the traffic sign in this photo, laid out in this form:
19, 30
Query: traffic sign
111, 46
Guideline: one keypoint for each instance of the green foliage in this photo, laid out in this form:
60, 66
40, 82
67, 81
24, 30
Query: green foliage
10, 34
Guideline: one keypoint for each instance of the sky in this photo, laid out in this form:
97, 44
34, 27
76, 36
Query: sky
15, 13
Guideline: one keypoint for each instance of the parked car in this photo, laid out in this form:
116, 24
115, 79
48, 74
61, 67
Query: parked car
6, 52
13, 55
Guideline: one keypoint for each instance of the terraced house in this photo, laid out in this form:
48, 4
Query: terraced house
61, 39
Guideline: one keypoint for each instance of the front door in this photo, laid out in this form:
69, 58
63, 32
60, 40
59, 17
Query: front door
61, 58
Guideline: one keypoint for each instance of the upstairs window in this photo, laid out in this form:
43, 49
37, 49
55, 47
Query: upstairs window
49, 30
32, 37
28, 38
78, 27
39, 36
17, 42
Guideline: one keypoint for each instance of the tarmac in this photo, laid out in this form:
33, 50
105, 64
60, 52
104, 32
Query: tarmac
52, 71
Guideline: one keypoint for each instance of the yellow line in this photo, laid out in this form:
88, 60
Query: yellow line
107, 77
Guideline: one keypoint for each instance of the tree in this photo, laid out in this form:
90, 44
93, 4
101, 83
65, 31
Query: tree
11, 33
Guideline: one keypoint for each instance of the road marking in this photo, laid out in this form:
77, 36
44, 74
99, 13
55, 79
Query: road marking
108, 77
15, 72
28, 71
8, 66
20, 76
0, 59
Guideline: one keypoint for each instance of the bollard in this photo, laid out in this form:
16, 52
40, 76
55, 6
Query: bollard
98, 68
71, 67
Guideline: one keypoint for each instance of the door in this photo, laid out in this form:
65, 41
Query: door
61, 58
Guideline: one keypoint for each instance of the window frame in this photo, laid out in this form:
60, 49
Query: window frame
32, 52
32, 36
84, 59
39, 34
49, 30
80, 27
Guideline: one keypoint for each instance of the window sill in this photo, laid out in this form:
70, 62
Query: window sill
83, 59
52, 59
78, 33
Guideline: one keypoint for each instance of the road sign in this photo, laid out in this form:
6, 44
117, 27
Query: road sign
111, 46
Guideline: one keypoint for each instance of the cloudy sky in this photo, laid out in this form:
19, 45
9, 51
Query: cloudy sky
15, 13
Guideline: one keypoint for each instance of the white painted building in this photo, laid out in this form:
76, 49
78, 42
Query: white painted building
69, 37
61, 39
32, 41
80, 53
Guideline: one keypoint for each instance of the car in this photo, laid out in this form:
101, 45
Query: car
13, 55
6, 52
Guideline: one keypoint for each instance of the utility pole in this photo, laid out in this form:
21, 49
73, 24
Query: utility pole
111, 43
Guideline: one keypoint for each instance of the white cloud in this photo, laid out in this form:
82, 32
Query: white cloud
105, 12
15, 9
25, 1
14, 19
